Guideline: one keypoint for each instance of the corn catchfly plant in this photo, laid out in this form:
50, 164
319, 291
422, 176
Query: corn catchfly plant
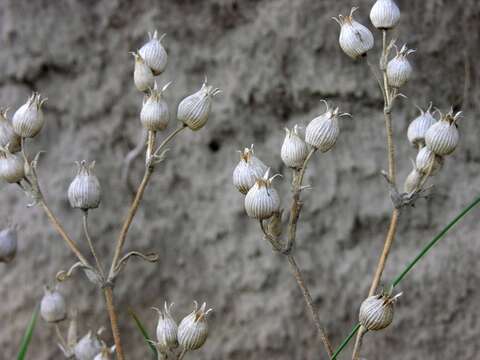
442, 137
9, 139
53, 307
8, 244
142, 75
12, 167
193, 329
154, 114
166, 330
153, 53
262, 200
385, 14
399, 70
248, 170
28, 119
84, 191
294, 149
376, 312
419, 126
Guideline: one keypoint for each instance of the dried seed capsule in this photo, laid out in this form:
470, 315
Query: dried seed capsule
53, 307
442, 137
262, 200
142, 74
8, 244
399, 70
154, 53
193, 329
413, 180
154, 114
28, 119
166, 330
425, 159
294, 149
322, 132
385, 14
194, 110
9, 139
12, 168
376, 312
84, 191
419, 126
355, 39
88, 347
248, 170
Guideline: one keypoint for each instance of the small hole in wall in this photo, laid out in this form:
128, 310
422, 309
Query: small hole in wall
214, 145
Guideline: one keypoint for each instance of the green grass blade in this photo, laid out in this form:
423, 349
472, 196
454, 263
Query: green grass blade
143, 330
27, 337
412, 264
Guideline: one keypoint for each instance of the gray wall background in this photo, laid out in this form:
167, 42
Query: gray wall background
274, 61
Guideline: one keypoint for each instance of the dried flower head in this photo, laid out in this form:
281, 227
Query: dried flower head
193, 329
28, 119
419, 126
442, 137
376, 312
399, 70
142, 74
9, 139
262, 200
12, 169
248, 170
355, 39
84, 191
426, 159
53, 307
385, 14
166, 330
154, 53
88, 347
8, 244
154, 114
294, 149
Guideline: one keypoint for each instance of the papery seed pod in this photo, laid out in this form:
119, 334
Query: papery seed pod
322, 132
193, 329
262, 200
384, 14
166, 330
355, 39
154, 114
154, 53
88, 347
248, 170
413, 180
12, 168
8, 244
399, 70
9, 139
376, 312
142, 74
28, 119
194, 110
442, 137
294, 149
53, 307
419, 126
425, 159
84, 191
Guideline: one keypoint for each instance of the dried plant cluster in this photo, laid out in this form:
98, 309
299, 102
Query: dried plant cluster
84, 194
433, 138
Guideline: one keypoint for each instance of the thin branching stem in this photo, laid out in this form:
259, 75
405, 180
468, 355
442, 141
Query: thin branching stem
91, 246
112, 314
60, 337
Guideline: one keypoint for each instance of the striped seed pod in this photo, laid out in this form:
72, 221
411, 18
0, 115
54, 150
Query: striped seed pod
442, 137
384, 14
193, 329
355, 39
9, 139
426, 159
294, 149
248, 170
376, 312
399, 70
262, 200
53, 307
12, 168
195, 109
419, 126
8, 244
88, 347
154, 54
142, 74
84, 191
413, 180
154, 114
166, 330
28, 119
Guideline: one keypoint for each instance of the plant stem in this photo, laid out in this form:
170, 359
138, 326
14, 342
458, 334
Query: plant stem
297, 273
138, 196
90, 244
108, 292
346, 341
60, 337
182, 354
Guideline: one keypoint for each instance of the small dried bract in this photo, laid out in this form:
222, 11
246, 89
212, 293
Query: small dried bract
419, 126
385, 14
53, 307
195, 109
442, 137
322, 132
355, 39
154, 114
376, 312
294, 149
9, 139
88, 347
248, 170
12, 169
8, 244
142, 74
193, 329
166, 330
84, 191
154, 54
28, 119
262, 200
399, 70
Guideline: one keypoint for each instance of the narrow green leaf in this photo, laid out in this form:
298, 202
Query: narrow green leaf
27, 337
143, 330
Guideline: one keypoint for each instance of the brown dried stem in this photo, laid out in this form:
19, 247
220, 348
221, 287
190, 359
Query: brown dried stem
91, 246
112, 314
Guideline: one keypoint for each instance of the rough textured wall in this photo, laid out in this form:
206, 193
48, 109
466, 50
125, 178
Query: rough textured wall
274, 61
